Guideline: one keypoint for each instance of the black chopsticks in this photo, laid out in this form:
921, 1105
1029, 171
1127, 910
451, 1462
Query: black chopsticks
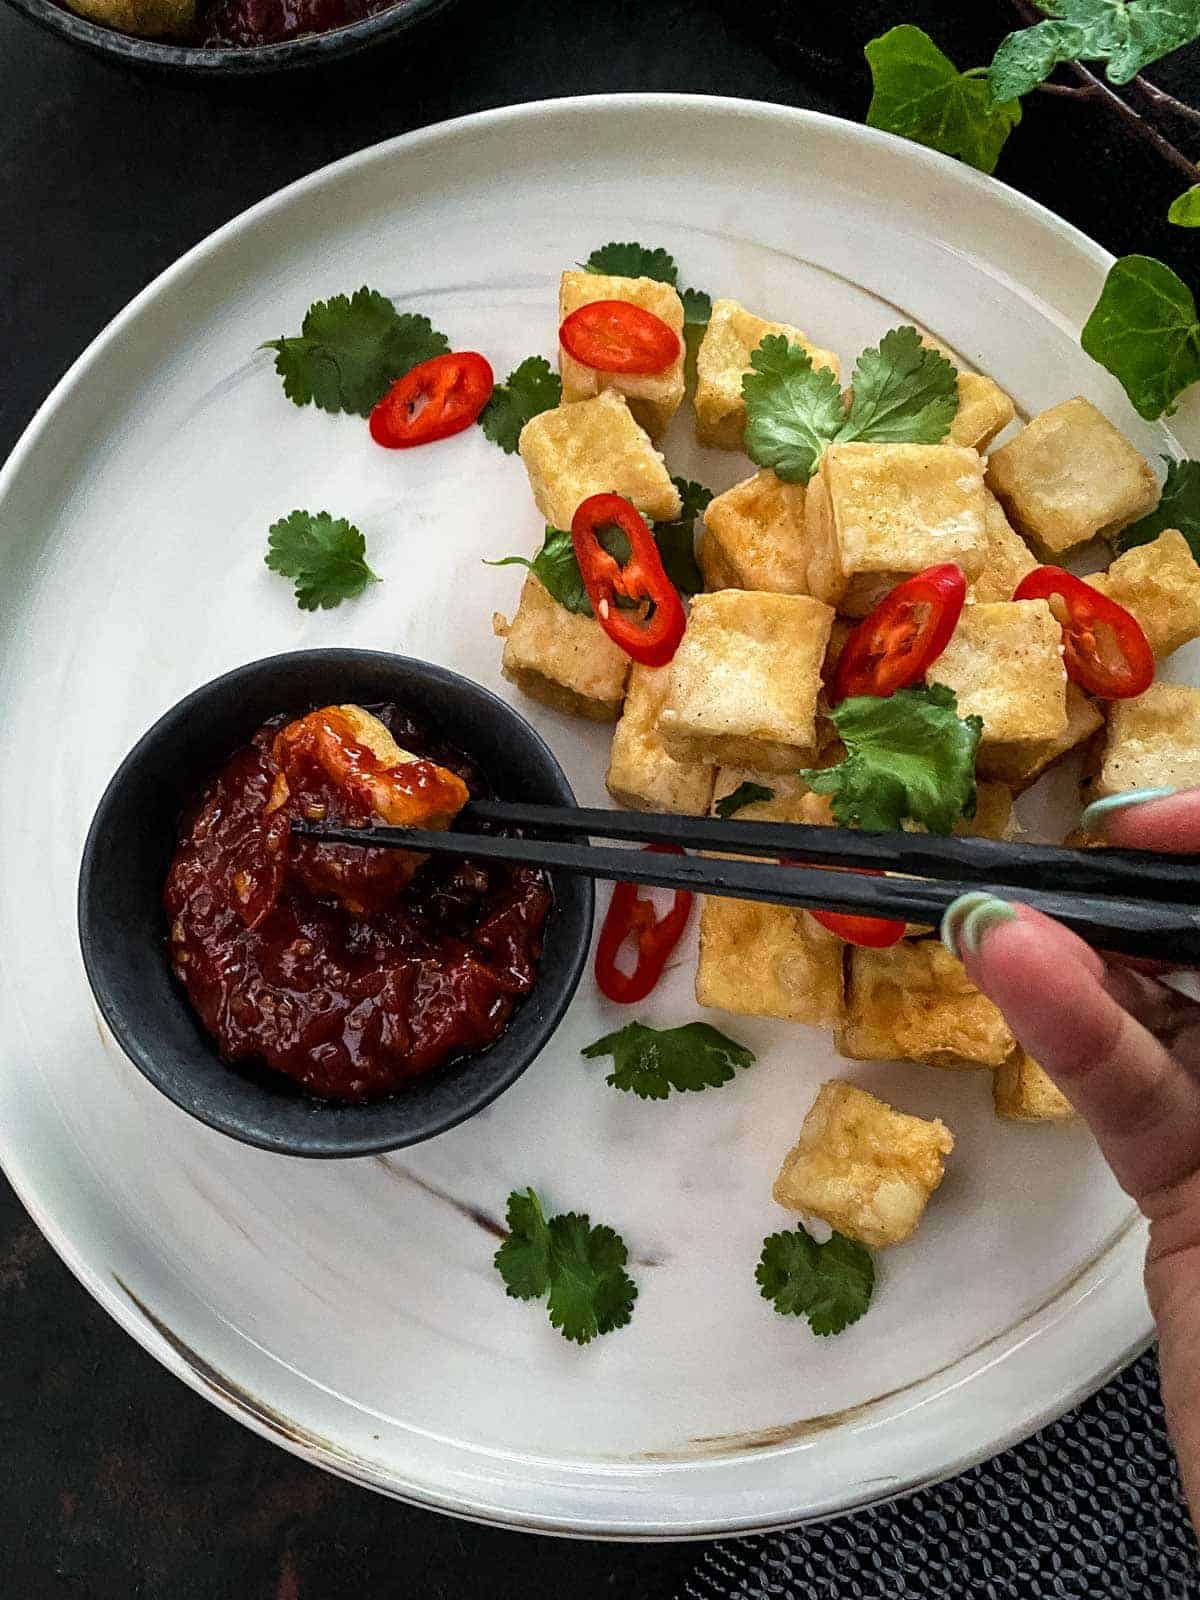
1122, 901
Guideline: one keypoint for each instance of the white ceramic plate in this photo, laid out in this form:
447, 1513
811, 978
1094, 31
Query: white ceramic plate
350, 1310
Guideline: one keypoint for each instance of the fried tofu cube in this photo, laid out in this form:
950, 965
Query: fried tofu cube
1070, 475
1160, 584
983, 407
1004, 662
563, 659
1022, 1091
594, 447
760, 960
1008, 558
993, 814
732, 336
914, 1002
1019, 762
641, 774
744, 681
654, 397
1153, 741
876, 513
754, 537
863, 1167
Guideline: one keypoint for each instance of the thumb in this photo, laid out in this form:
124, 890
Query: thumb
1057, 996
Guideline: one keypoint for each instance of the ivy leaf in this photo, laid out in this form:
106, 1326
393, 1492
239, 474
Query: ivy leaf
632, 260
910, 756
1179, 507
920, 94
651, 1062
529, 389
831, 1284
350, 350
325, 556
1125, 34
1145, 331
1185, 208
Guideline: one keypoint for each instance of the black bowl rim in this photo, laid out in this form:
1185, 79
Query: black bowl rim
353, 1143
229, 61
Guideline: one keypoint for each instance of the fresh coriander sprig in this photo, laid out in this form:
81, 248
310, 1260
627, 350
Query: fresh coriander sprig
831, 1284
904, 392
579, 1267
651, 1062
326, 556
908, 757
529, 389
920, 94
351, 349
746, 794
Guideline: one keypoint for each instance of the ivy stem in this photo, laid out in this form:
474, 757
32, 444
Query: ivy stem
1164, 101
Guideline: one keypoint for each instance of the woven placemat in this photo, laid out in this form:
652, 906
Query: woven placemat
1089, 1507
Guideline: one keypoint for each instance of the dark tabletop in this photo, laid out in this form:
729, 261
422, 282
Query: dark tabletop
116, 1482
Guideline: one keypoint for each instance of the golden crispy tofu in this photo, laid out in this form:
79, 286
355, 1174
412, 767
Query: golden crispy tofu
374, 736
863, 1167
754, 538
761, 960
993, 814
654, 397
876, 513
563, 659
1019, 762
983, 407
1004, 662
594, 447
1160, 584
914, 1002
1022, 1091
1153, 741
732, 336
744, 681
1008, 559
641, 774
1070, 475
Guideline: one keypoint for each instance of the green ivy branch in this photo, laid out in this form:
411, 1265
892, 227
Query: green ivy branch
1144, 328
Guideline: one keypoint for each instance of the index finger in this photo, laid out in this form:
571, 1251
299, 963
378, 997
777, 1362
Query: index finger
1147, 819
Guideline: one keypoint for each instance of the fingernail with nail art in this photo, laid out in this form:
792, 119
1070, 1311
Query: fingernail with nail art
1096, 815
968, 918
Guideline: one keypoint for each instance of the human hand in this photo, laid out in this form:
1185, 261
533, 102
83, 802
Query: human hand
1125, 1050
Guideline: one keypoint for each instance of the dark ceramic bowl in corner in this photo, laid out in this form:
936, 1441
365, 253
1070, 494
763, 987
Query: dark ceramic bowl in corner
122, 929
305, 50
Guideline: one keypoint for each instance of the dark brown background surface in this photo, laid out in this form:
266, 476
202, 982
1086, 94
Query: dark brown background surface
116, 1482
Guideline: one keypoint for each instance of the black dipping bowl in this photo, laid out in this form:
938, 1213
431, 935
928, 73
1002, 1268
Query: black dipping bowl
122, 926
306, 50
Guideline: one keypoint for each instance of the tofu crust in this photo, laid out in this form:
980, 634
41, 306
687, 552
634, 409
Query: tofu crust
760, 960
1008, 558
1160, 584
1020, 762
863, 1167
594, 447
744, 681
653, 398
1004, 662
1153, 741
914, 1002
1069, 475
754, 537
641, 774
563, 659
1022, 1091
732, 336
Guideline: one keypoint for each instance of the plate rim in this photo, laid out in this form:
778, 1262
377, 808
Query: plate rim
127, 1312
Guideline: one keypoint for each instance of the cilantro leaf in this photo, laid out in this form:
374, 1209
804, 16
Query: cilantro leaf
746, 794
580, 1267
1125, 34
1185, 208
350, 350
904, 393
909, 756
557, 567
920, 94
1145, 331
590, 1292
529, 389
1178, 507
632, 261
697, 308
653, 1061
676, 540
831, 1284
325, 557
793, 409
523, 1260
